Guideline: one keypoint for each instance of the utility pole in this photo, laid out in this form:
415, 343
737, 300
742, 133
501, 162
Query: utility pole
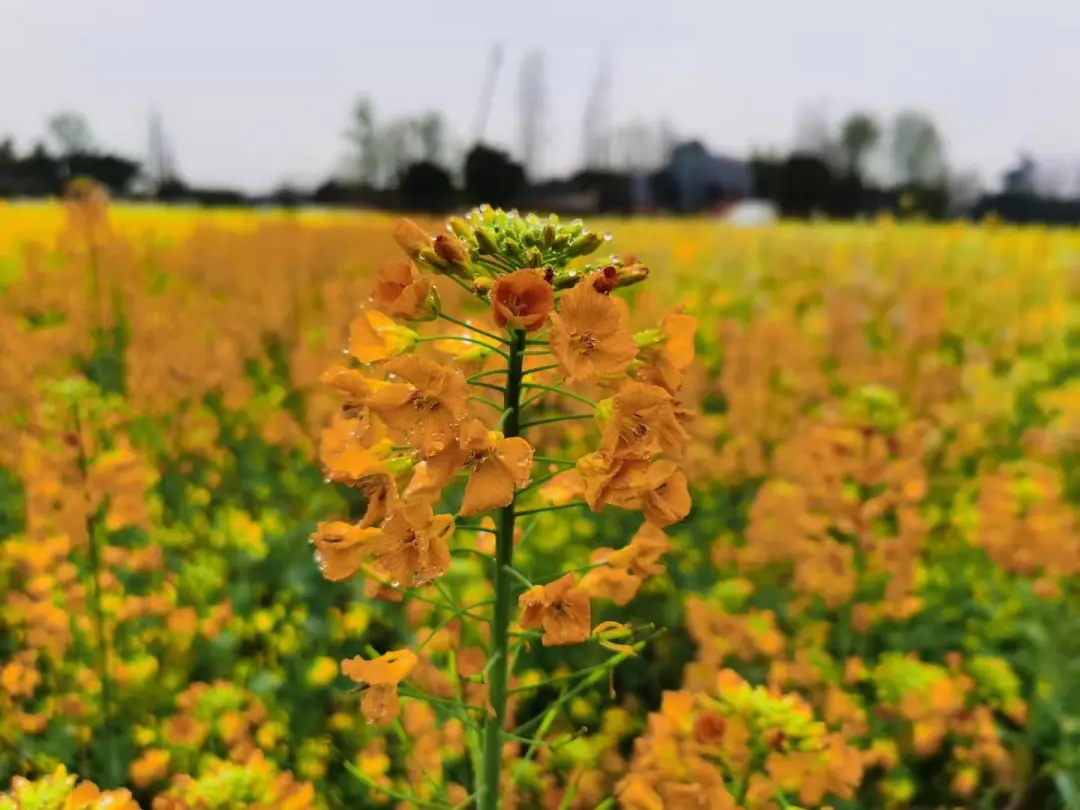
483, 109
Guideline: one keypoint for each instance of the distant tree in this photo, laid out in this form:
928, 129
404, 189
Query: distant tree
639, 147
492, 177
116, 173
532, 100
363, 135
398, 146
814, 136
71, 133
426, 187
429, 130
918, 150
1021, 178
859, 133
964, 190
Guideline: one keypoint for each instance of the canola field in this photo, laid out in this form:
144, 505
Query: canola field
797, 520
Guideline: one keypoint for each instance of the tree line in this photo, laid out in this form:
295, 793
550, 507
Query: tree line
860, 167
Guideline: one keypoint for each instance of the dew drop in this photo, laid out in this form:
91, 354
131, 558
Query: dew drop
607, 237
395, 584
344, 351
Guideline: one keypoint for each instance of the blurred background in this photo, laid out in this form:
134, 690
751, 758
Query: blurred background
881, 390
841, 108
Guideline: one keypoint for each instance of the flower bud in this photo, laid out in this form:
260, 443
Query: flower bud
649, 337
547, 236
461, 228
533, 257
566, 279
485, 240
603, 411
482, 286
430, 258
399, 465
452, 250
585, 244
411, 237
632, 274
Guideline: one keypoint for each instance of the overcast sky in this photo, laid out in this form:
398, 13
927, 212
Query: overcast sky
255, 92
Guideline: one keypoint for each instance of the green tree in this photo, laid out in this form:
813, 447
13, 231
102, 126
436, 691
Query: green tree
918, 150
71, 132
363, 135
859, 133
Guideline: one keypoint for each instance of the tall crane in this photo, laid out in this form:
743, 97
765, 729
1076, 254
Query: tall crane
483, 109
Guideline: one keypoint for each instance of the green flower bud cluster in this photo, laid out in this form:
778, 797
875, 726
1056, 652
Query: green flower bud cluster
515, 242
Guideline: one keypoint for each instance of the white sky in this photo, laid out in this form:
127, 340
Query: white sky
254, 92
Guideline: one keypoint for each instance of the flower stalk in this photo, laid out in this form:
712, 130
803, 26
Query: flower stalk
498, 677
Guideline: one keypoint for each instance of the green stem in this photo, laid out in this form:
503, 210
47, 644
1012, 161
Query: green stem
463, 339
481, 374
412, 801
455, 615
555, 508
94, 553
553, 460
586, 684
468, 325
538, 369
744, 780
490, 386
548, 420
498, 680
554, 389
486, 401
520, 577
539, 482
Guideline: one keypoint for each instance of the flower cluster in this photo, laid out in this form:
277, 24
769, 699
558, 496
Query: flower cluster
406, 437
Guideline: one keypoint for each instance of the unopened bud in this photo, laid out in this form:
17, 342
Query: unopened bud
649, 337
513, 247
452, 250
399, 465
585, 244
567, 279
429, 257
461, 228
485, 240
547, 236
602, 414
482, 286
632, 274
411, 237
533, 257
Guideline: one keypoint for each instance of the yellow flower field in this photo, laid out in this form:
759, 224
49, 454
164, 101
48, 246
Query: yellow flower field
871, 603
